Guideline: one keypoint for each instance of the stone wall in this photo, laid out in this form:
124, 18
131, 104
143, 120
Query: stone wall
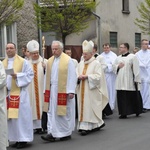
26, 25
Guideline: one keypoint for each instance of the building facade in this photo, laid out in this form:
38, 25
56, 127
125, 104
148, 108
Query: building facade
22, 31
115, 25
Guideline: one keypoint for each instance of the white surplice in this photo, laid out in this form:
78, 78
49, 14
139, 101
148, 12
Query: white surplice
128, 74
144, 62
110, 77
95, 95
41, 76
3, 110
21, 129
61, 126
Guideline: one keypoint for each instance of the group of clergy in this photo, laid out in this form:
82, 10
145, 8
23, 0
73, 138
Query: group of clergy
37, 88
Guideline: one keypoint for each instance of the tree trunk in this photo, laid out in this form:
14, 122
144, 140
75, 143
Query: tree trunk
64, 40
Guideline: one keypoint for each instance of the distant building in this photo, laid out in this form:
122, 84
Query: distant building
116, 26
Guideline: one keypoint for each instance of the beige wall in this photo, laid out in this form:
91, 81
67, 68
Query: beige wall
112, 19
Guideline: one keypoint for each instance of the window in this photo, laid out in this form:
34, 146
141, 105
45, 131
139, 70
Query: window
125, 6
7, 34
113, 39
138, 40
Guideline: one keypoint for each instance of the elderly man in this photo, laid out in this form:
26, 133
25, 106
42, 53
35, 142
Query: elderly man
144, 61
3, 114
36, 88
19, 76
91, 91
60, 89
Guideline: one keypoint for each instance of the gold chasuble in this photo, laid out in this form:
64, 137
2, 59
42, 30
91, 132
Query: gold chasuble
13, 99
62, 84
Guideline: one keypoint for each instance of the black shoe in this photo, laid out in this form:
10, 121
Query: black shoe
14, 145
48, 138
84, 132
103, 116
144, 110
21, 145
65, 138
137, 115
39, 131
123, 117
98, 128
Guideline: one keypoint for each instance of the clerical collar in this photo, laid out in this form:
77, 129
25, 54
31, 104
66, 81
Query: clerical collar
96, 54
126, 54
11, 59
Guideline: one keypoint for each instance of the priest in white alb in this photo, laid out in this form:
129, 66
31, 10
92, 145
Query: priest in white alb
59, 95
3, 110
110, 57
20, 127
36, 88
91, 91
68, 51
144, 61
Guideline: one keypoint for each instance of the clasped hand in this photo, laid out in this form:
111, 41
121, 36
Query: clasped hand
82, 77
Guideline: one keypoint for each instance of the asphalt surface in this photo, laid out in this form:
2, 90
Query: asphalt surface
132, 133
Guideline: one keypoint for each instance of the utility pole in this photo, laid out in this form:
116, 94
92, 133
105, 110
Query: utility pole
99, 40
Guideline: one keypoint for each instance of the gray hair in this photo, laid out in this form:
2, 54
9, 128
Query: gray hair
61, 46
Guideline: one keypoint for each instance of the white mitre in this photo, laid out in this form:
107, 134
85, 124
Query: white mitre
87, 47
91, 42
33, 46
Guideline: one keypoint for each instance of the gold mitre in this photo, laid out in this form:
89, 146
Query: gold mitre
33, 46
87, 47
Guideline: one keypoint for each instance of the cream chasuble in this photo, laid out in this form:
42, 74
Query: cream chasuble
92, 94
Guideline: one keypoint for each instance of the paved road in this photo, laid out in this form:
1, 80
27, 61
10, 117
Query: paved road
118, 134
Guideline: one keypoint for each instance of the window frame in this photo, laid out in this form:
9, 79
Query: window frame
115, 38
138, 44
125, 7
